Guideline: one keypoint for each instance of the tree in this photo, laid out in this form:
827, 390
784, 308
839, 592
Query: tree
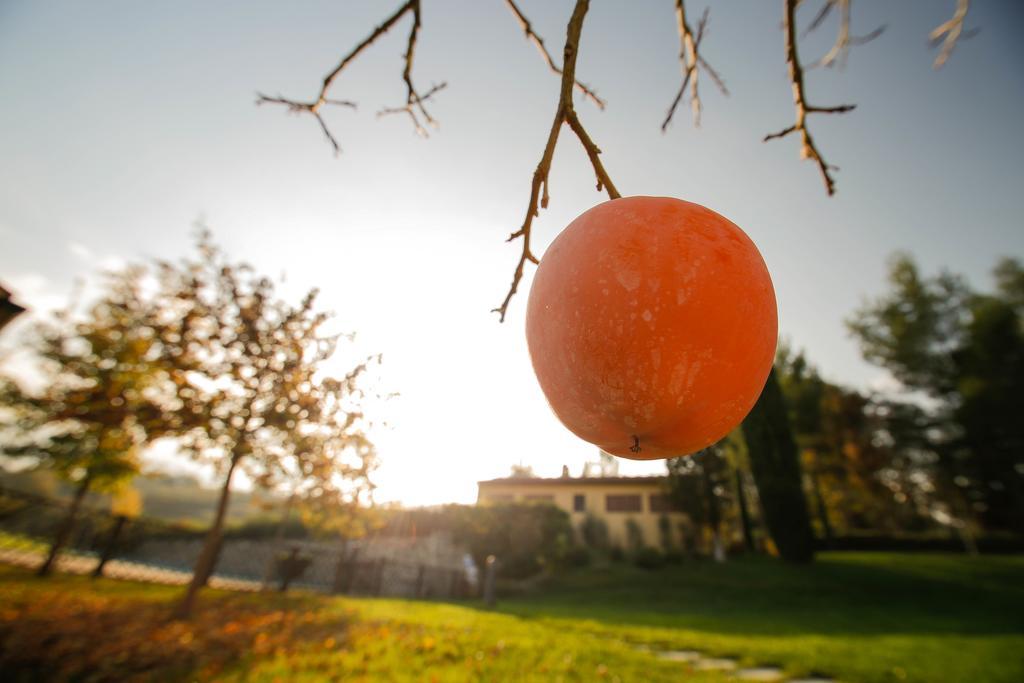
775, 464
837, 432
252, 393
103, 383
9, 310
697, 485
606, 465
521, 471
804, 389
965, 353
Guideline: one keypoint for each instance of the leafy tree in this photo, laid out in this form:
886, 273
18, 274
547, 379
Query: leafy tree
634, 536
594, 533
804, 390
917, 471
775, 464
697, 485
965, 353
990, 384
9, 310
522, 472
836, 429
103, 383
525, 537
252, 393
913, 330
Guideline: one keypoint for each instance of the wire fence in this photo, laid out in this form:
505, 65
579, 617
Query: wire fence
157, 551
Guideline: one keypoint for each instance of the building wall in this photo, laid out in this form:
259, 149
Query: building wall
595, 499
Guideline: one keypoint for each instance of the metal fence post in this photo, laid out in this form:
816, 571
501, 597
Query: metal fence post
489, 571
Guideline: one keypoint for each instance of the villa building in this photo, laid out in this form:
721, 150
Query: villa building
615, 500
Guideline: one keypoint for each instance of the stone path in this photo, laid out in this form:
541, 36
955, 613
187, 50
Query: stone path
698, 661
120, 569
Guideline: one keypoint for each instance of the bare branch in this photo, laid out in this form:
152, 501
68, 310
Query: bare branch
844, 41
949, 32
524, 23
820, 18
566, 114
414, 101
691, 60
310, 108
808, 150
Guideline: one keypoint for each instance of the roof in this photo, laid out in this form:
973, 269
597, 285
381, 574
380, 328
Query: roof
574, 481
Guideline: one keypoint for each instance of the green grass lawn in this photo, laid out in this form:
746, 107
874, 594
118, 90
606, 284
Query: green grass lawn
856, 617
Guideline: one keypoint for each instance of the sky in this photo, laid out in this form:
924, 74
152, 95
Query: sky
125, 123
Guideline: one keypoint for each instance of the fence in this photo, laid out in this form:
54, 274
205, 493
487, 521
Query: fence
157, 551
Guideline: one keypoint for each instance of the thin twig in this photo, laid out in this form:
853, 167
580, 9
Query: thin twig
808, 150
532, 36
950, 31
844, 41
413, 99
691, 60
566, 114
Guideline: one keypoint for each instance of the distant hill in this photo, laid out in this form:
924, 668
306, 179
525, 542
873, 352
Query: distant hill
178, 498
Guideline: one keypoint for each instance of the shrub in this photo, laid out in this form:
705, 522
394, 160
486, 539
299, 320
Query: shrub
674, 557
577, 556
649, 558
594, 532
526, 538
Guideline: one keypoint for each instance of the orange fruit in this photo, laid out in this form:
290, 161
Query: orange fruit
652, 326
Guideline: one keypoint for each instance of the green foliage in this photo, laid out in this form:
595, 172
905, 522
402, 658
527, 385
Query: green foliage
521, 472
249, 382
594, 533
698, 485
966, 351
839, 434
100, 395
775, 464
527, 538
913, 329
649, 558
665, 533
576, 557
634, 536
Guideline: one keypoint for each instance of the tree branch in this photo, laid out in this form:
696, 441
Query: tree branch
953, 30
691, 60
844, 41
414, 101
524, 23
808, 150
565, 114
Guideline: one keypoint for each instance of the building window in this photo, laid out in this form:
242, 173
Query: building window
539, 498
579, 503
661, 502
623, 503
